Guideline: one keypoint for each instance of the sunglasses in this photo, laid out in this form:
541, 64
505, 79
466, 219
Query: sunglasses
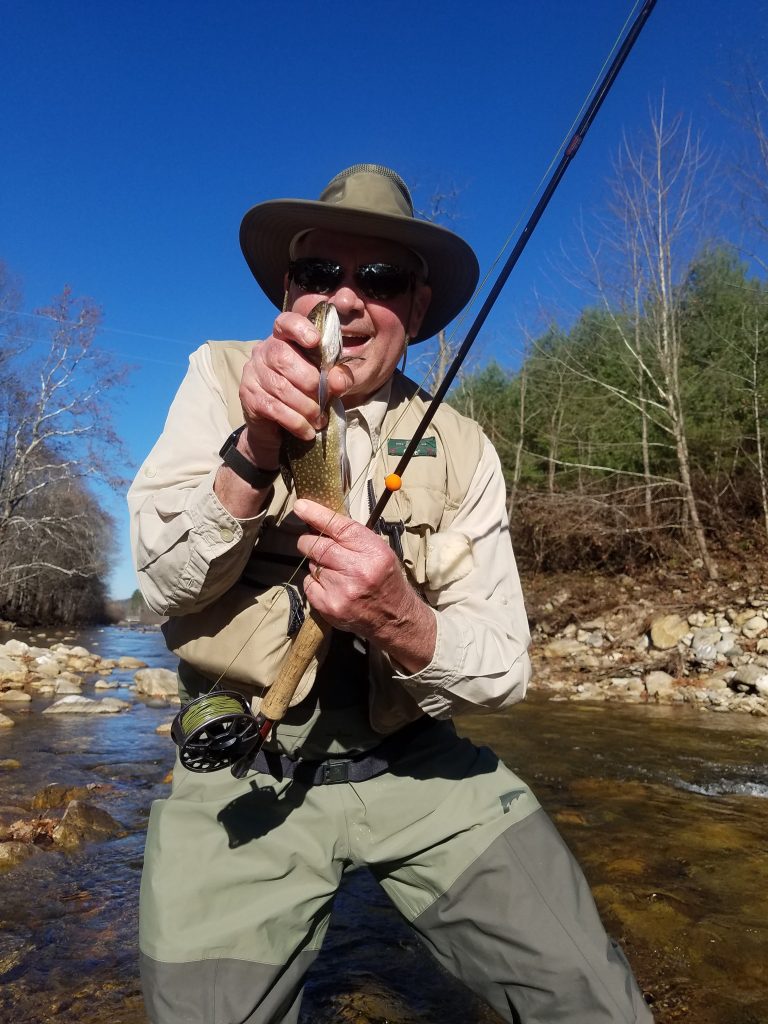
382, 281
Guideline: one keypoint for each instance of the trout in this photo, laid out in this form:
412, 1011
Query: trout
320, 471
320, 468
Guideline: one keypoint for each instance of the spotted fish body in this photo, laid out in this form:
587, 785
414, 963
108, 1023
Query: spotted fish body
319, 468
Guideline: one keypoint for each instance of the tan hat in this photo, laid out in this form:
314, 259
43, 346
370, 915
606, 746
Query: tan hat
369, 200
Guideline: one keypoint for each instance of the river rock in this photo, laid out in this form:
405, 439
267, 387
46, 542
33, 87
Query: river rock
659, 683
82, 822
164, 729
6, 722
750, 677
9, 764
67, 686
14, 697
105, 684
126, 662
754, 626
564, 648
56, 795
15, 648
156, 682
75, 704
46, 667
667, 630
13, 853
705, 645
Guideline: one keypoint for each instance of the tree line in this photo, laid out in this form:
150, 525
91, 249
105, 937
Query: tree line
638, 430
56, 443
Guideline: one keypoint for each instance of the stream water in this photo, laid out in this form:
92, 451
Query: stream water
666, 808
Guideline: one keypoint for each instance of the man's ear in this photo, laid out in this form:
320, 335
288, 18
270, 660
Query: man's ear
422, 296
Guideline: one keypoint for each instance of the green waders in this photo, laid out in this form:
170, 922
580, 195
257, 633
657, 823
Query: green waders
239, 879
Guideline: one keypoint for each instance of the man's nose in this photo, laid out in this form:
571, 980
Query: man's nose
347, 297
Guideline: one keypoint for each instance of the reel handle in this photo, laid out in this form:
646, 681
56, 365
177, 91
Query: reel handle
308, 641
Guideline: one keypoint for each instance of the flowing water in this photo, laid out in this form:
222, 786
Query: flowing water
666, 808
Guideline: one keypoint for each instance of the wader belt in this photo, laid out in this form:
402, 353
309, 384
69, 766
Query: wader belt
359, 768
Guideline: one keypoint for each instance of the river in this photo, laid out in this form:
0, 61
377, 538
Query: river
665, 807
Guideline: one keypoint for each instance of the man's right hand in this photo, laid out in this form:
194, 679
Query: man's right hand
278, 390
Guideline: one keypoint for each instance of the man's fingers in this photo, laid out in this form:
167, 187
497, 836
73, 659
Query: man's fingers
332, 524
295, 328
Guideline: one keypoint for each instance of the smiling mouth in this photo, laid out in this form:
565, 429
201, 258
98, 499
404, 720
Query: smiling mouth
354, 340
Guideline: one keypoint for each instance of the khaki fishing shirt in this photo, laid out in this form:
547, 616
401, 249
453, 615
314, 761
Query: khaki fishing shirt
189, 550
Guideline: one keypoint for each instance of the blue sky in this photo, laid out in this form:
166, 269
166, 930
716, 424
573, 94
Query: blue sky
136, 135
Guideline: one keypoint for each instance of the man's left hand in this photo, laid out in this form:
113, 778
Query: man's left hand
357, 584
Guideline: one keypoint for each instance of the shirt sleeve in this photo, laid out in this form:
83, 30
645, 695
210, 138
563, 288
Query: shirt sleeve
187, 548
481, 660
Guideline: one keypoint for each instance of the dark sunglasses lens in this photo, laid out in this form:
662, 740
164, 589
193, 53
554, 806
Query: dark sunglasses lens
383, 280
318, 276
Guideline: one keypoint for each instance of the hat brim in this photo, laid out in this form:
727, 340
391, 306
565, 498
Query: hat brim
268, 229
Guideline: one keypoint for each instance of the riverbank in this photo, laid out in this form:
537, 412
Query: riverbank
658, 638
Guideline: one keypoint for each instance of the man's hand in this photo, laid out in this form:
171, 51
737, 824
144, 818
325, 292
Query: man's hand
278, 390
357, 584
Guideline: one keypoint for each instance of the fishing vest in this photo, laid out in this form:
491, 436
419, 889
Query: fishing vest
245, 634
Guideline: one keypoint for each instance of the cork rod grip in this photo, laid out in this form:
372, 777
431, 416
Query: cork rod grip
303, 649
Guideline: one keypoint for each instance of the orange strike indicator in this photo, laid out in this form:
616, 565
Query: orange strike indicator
393, 482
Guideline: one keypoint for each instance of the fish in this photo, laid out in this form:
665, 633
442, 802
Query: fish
319, 468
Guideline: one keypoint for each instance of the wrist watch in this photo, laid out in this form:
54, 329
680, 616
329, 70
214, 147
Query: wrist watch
245, 469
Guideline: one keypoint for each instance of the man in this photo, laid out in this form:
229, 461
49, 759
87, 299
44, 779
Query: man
366, 769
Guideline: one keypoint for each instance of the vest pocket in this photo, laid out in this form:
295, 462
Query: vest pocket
241, 638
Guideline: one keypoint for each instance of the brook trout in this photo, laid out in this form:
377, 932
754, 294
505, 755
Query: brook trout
320, 468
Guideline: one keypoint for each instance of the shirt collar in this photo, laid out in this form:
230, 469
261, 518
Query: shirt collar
371, 414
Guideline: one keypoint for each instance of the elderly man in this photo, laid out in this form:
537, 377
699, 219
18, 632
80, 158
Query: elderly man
366, 768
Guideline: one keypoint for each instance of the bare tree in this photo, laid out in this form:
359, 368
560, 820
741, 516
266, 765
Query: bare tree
56, 436
656, 195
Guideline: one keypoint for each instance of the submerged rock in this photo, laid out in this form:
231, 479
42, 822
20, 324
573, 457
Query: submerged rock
82, 822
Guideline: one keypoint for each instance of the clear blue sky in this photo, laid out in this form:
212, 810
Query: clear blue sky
136, 135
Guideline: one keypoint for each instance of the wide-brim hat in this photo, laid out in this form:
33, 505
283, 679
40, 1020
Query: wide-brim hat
369, 200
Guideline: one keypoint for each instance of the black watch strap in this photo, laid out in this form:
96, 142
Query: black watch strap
245, 469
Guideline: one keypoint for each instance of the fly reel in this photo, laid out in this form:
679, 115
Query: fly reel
213, 730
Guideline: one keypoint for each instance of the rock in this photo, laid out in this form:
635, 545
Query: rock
16, 648
14, 697
667, 630
762, 646
13, 853
164, 729
705, 645
83, 822
67, 686
9, 764
75, 704
5, 721
749, 675
659, 684
56, 795
46, 667
126, 662
105, 684
156, 682
754, 626
79, 652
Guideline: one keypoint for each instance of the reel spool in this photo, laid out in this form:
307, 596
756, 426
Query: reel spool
212, 730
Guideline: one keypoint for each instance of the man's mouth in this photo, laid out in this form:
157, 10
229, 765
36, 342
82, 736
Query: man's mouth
352, 341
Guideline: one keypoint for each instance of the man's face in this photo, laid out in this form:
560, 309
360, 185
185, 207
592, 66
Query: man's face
373, 330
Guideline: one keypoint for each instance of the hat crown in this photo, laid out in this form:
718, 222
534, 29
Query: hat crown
369, 187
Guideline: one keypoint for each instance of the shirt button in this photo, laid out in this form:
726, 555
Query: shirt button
226, 534
150, 470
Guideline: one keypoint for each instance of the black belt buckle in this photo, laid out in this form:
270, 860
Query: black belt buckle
334, 771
